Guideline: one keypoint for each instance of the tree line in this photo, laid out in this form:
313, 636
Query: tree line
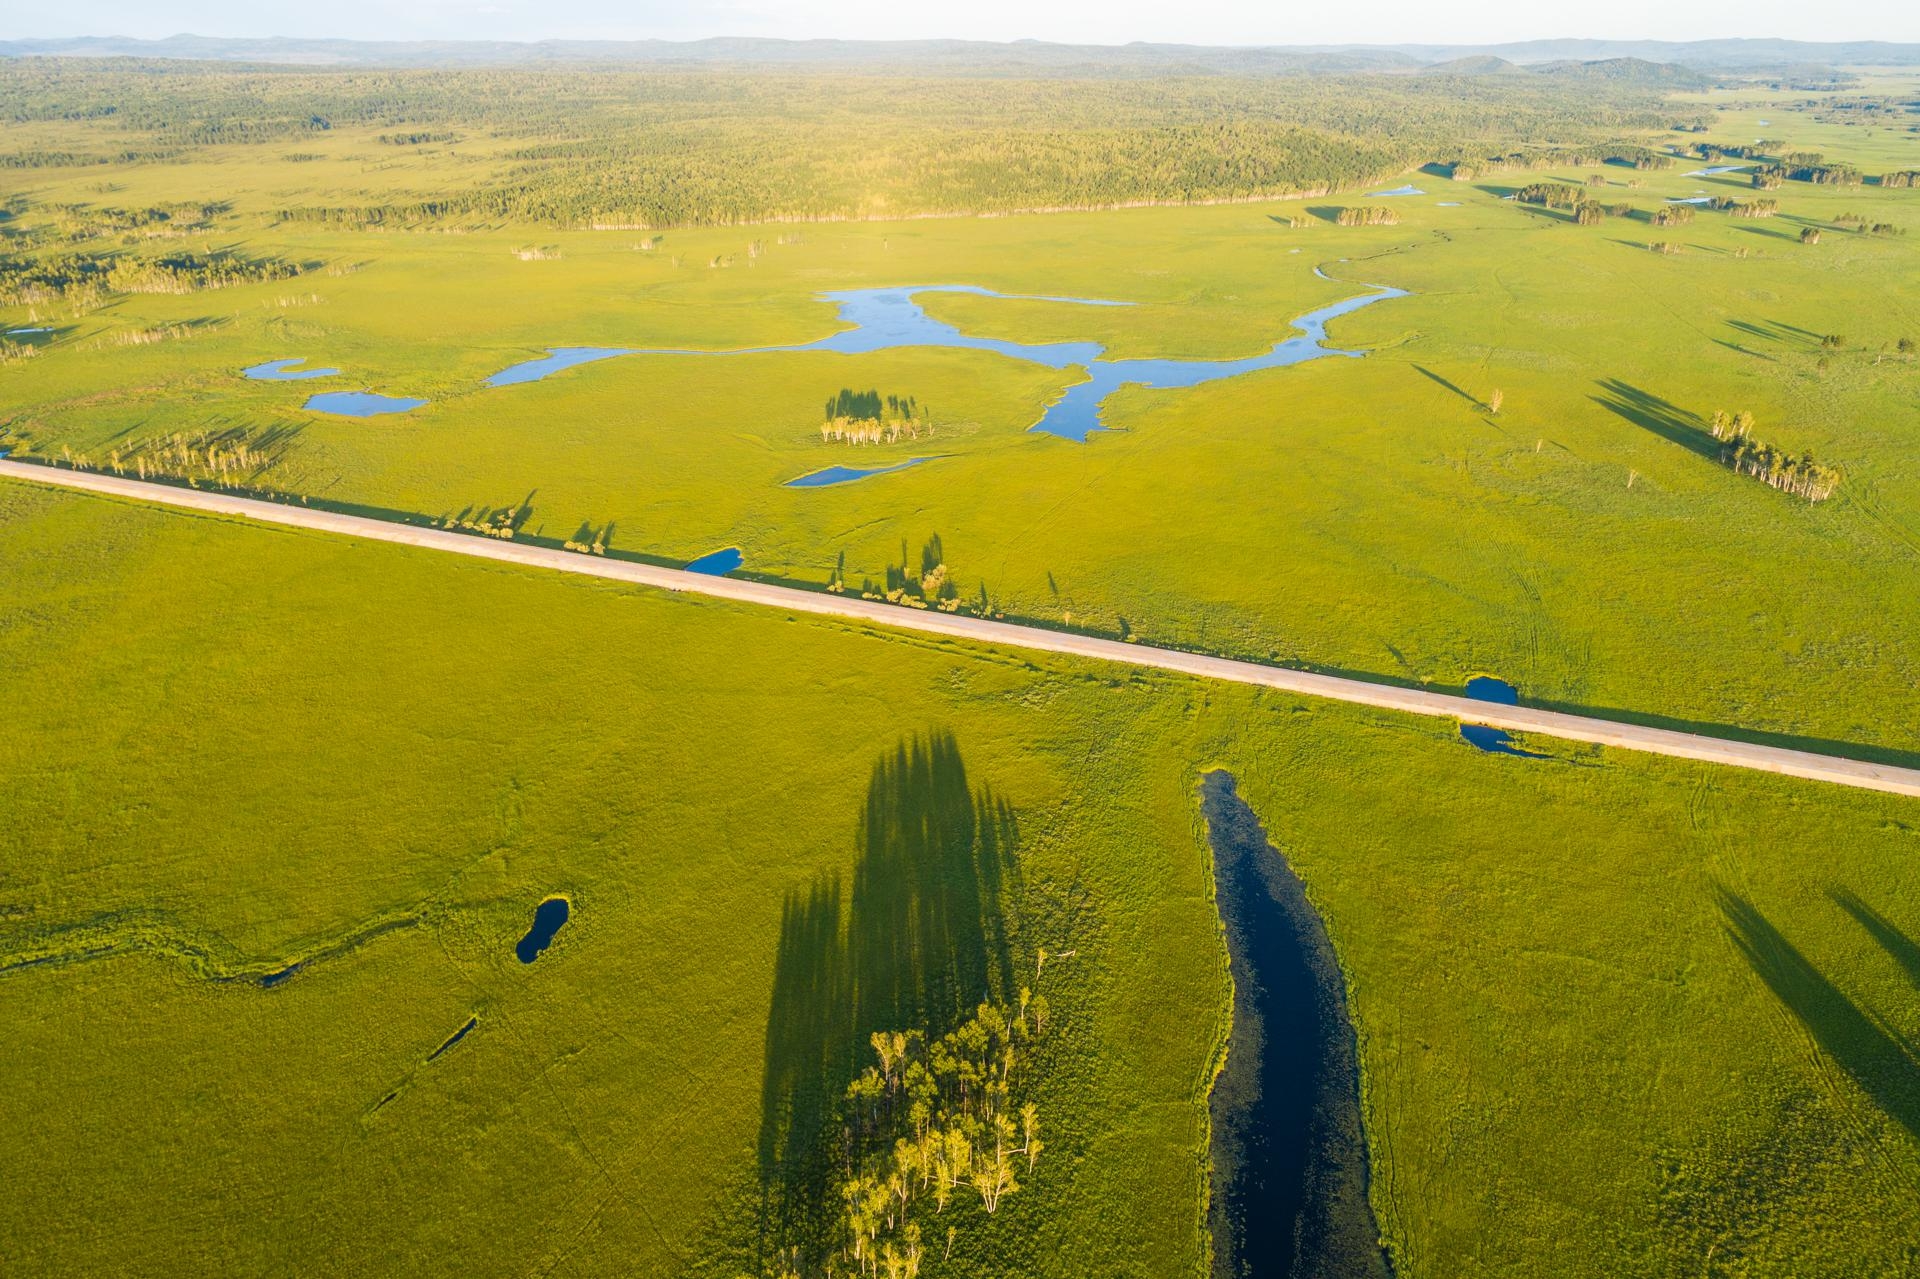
85, 280
651, 148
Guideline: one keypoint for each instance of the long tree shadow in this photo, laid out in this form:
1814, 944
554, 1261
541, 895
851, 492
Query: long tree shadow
1774, 331
919, 941
1648, 411
1900, 947
1875, 1058
1431, 376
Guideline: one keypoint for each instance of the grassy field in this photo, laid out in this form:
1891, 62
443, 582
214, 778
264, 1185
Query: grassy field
1365, 515
1616, 1015
251, 748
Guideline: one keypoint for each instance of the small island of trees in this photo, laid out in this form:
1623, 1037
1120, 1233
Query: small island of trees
867, 417
1366, 215
933, 1119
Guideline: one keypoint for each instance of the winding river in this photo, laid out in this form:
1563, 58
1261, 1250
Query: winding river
890, 319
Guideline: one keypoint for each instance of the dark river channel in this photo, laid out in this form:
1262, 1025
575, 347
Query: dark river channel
1289, 1154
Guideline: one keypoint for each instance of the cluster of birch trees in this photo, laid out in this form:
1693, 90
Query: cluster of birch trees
932, 1120
1801, 476
867, 417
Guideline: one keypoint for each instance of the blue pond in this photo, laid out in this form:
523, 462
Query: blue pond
847, 474
556, 359
1485, 688
1714, 169
283, 371
359, 404
718, 563
1406, 190
547, 919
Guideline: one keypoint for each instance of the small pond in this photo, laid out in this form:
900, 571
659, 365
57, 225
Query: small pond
1405, 190
1690, 199
359, 404
1288, 1145
283, 371
1497, 741
848, 474
717, 563
1715, 169
547, 919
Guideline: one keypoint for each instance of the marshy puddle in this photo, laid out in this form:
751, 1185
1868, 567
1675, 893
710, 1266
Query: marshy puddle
1690, 199
461, 1033
1405, 190
283, 371
547, 919
1288, 1146
359, 404
556, 359
717, 563
848, 474
1485, 688
1447, 204
1714, 169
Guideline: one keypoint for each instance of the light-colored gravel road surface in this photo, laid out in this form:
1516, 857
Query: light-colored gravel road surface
1522, 719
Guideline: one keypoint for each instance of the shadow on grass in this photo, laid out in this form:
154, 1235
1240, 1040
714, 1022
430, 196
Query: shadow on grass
1873, 1056
1774, 331
1648, 411
1735, 346
918, 943
1901, 948
1431, 376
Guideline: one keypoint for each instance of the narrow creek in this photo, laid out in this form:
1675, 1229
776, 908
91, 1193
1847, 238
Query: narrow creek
1289, 1153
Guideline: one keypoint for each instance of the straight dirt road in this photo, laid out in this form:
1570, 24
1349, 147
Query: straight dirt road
1577, 728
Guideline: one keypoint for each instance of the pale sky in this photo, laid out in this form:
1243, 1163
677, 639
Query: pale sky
1072, 21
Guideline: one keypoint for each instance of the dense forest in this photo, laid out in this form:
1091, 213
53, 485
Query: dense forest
655, 148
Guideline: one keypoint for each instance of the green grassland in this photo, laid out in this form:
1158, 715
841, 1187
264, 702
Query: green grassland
246, 748
1616, 1015
1366, 515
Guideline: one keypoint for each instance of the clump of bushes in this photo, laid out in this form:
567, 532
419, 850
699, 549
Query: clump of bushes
1367, 215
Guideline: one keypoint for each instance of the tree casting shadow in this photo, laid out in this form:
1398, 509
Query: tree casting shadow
918, 943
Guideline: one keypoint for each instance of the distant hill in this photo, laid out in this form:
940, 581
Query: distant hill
1627, 71
1476, 64
1631, 58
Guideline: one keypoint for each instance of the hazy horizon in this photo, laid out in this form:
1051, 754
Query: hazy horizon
1207, 22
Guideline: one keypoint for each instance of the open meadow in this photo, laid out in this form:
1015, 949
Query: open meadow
280, 805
